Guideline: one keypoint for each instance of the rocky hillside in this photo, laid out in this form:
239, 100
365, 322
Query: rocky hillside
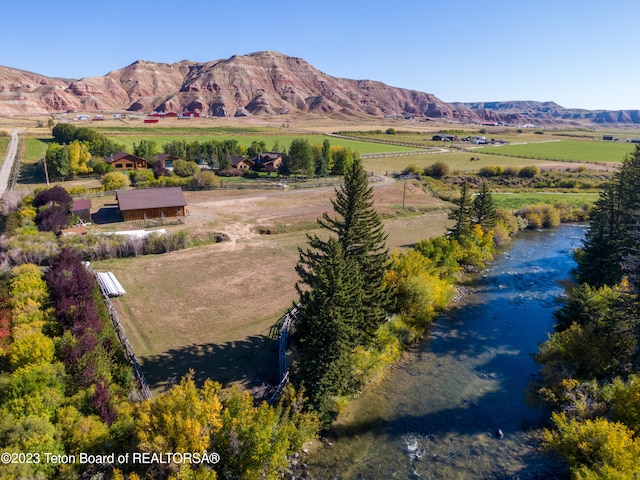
546, 113
264, 83
261, 84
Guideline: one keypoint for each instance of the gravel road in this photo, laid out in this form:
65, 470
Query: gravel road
7, 165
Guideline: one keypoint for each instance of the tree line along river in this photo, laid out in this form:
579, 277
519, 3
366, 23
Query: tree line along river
457, 405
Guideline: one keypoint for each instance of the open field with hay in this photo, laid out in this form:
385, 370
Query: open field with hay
565, 150
210, 308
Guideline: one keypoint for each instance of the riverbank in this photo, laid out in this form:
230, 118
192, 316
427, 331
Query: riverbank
435, 413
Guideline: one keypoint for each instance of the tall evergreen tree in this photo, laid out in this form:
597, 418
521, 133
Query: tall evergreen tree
324, 160
361, 234
600, 255
484, 210
611, 235
462, 214
329, 320
321, 168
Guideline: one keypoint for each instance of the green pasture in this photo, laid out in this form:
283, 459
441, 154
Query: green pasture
565, 150
457, 161
507, 134
513, 201
34, 149
4, 143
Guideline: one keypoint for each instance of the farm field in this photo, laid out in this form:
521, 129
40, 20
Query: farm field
513, 201
565, 150
210, 308
468, 161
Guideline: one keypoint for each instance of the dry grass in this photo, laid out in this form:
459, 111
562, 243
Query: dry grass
210, 308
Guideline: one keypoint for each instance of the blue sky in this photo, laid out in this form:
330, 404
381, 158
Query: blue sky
580, 54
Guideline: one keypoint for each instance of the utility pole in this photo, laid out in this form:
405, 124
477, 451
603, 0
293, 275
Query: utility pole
405, 178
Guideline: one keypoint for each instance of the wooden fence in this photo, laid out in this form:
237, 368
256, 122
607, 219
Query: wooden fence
15, 172
280, 332
143, 391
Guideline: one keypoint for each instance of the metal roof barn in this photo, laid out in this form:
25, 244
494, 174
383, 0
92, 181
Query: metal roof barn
151, 203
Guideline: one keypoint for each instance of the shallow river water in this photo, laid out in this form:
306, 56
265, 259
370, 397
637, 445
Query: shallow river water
435, 414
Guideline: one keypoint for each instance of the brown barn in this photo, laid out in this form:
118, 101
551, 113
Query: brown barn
126, 161
151, 203
82, 208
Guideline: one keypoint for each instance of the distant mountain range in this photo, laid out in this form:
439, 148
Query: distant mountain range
265, 84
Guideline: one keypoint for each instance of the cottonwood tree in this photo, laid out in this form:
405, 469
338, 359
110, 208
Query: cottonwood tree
146, 149
301, 157
79, 157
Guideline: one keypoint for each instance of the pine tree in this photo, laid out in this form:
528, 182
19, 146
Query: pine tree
462, 214
361, 235
328, 325
611, 236
484, 211
599, 258
324, 160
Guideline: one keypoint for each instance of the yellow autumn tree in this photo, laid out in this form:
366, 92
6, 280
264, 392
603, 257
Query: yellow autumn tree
595, 449
420, 292
182, 420
79, 157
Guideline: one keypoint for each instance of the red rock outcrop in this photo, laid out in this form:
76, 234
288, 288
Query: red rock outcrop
260, 84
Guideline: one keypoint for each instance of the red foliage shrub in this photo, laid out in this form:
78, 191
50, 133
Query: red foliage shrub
54, 196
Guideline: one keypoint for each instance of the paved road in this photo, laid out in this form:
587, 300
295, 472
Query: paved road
7, 165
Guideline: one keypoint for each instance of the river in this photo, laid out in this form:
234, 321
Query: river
435, 414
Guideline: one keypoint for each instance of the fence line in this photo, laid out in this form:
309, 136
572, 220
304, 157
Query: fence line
144, 391
280, 332
15, 172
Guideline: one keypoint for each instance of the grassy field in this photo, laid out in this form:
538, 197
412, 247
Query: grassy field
565, 150
513, 201
210, 308
4, 143
457, 161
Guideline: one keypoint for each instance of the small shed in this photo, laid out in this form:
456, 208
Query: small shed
151, 203
82, 209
